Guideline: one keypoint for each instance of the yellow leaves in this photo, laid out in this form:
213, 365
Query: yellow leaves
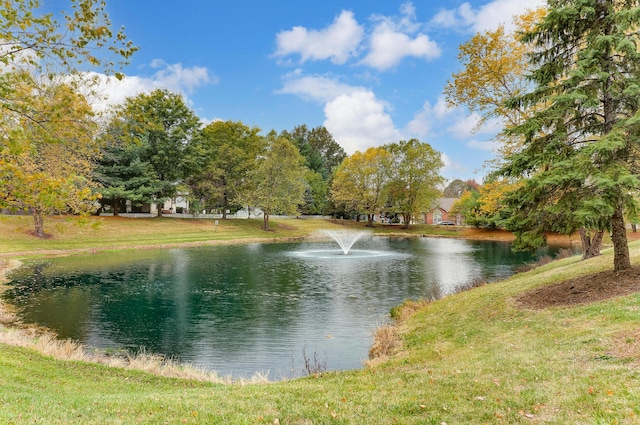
359, 180
493, 193
528, 21
47, 154
494, 67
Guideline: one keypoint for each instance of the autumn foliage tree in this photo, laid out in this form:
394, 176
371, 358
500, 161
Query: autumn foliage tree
415, 177
359, 182
495, 64
47, 156
46, 127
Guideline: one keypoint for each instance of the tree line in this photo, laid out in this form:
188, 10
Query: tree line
57, 155
154, 148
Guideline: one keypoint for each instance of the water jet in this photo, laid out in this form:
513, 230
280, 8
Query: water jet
345, 238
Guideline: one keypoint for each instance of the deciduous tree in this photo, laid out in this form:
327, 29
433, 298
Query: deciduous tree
322, 156
494, 70
225, 154
47, 169
456, 188
46, 129
359, 182
276, 184
415, 176
30, 38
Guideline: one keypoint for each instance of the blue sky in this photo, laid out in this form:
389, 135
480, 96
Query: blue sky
372, 72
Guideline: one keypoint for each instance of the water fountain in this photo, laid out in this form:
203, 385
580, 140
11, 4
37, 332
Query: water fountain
345, 238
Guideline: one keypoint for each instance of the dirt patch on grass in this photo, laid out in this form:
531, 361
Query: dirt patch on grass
583, 290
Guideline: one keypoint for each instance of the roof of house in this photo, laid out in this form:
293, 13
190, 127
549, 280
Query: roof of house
445, 204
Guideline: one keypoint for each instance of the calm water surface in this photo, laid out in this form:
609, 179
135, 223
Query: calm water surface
248, 308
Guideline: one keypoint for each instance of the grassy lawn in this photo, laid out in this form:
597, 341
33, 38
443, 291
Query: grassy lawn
69, 233
471, 358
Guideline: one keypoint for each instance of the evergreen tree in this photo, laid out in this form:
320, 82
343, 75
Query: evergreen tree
580, 146
124, 176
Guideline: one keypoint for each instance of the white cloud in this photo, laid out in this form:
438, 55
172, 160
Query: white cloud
337, 42
427, 118
486, 17
451, 168
355, 117
316, 88
464, 126
358, 121
438, 119
487, 145
173, 77
177, 78
393, 39
389, 47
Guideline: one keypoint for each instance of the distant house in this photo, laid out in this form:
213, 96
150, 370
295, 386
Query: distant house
442, 212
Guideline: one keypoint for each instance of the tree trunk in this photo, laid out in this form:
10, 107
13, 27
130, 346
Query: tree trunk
369, 220
621, 259
407, 220
265, 218
114, 206
38, 224
225, 202
590, 243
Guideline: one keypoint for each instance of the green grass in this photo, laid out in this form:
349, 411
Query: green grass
116, 232
471, 358
69, 233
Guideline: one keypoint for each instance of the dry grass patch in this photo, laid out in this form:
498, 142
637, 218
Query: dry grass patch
407, 309
386, 342
387, 339
46, 343
626, 345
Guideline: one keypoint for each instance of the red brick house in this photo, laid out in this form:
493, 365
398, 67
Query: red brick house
442, 212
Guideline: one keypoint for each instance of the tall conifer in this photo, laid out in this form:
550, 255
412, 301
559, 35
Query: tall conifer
581, 148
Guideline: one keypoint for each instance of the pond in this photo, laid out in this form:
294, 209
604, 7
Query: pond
250, 308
